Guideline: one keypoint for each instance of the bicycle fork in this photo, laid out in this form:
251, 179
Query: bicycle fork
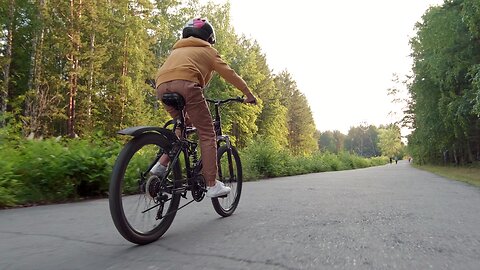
226, 139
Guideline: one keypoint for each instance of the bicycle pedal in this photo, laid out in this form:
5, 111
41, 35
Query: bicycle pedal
223, 196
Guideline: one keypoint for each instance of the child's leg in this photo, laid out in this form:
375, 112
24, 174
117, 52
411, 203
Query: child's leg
162, 89
201, 118
197, 109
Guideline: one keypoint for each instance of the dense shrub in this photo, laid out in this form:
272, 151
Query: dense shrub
36, 171
43, 171
265, 159
9, 182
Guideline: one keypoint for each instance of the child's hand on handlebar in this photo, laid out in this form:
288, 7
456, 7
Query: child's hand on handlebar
250, 99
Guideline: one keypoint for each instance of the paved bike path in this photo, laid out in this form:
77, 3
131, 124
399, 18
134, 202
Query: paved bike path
388, 217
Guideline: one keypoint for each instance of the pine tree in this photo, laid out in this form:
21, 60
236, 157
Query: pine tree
300, 123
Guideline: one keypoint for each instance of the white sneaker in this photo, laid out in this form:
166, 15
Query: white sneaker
158, 170
218, 190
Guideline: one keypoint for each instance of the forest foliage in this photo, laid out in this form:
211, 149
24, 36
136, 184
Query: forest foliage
444, 109
79, 67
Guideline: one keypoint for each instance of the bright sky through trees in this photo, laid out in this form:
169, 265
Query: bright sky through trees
342, 54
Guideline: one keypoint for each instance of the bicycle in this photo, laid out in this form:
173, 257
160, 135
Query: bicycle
143, 206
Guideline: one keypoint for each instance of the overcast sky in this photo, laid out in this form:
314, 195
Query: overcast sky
342, 54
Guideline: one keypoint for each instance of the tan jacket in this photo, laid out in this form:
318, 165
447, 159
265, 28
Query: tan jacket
194, 60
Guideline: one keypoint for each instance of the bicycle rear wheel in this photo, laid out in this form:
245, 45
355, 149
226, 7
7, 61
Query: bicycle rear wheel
134, 194
230, 173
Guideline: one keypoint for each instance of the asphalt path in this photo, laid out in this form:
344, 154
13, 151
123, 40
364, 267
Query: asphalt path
387, 217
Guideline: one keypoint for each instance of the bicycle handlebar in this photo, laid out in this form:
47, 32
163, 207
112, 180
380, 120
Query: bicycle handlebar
222, 101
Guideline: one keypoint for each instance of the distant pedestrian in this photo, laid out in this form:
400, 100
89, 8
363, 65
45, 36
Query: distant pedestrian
390, 160
396, 160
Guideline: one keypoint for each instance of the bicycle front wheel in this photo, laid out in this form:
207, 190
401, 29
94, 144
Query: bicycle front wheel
230, 173
134, 194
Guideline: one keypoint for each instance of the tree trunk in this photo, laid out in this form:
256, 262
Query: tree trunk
477, 156
469, 153
6, 67
90, 79
73, 58
33, 110
455, 156
124, 74
92, 10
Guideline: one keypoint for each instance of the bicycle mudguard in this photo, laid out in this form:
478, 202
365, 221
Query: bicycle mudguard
135, 131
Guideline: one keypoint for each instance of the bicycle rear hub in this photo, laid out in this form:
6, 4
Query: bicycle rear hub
152, 187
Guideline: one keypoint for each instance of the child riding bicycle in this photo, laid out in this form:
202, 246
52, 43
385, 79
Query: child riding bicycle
186, 71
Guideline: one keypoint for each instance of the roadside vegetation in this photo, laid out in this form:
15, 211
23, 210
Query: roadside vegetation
469, 174
443, 108
52, 170
444, 87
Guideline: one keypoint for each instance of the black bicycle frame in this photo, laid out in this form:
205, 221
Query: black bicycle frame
189, 148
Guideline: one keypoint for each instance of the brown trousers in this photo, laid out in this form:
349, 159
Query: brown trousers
198, 114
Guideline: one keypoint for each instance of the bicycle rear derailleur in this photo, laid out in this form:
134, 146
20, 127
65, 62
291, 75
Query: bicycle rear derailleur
153, 191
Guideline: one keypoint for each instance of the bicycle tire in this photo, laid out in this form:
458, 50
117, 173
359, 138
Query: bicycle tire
118, 191
226, 206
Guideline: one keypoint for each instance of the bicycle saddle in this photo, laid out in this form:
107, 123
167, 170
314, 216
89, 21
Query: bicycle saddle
174, 100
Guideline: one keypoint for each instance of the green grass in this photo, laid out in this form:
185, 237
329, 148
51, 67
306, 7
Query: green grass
469, 174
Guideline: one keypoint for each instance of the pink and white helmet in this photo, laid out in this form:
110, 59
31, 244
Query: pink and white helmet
199, 28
